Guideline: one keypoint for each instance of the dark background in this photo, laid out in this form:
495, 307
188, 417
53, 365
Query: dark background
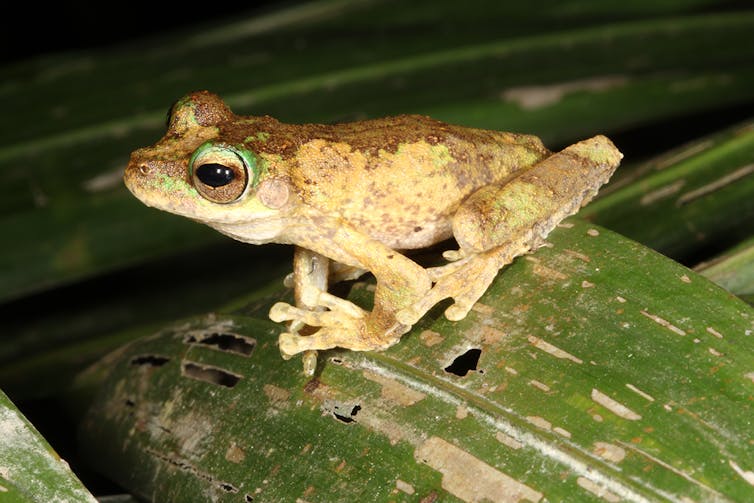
37, 30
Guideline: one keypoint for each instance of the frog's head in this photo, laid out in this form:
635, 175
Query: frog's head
203, 170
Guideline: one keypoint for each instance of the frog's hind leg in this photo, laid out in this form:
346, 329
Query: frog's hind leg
464, 281
502, 221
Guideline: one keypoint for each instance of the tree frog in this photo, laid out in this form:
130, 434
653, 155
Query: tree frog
355, 197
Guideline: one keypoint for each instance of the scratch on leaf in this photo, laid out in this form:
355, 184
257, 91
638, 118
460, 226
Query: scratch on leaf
663, 322
614, 406
469, 478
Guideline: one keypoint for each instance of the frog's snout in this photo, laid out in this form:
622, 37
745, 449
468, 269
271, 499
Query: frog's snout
142, 169
136, 169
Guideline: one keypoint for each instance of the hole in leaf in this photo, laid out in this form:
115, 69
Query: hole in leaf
248, 498
211, 375
230, 343
150, 360
348, 417
465, 363
228, 488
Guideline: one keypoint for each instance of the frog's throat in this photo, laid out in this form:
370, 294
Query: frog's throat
261, 231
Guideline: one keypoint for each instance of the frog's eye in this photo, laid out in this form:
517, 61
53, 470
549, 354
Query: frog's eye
219, 173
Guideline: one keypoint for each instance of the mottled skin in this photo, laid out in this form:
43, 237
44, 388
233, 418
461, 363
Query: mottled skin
355, 194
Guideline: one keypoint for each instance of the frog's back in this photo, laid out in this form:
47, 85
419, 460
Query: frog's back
400, 179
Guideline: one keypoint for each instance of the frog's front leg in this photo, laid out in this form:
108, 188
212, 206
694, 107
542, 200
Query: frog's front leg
502, 221
309, 280
400, 283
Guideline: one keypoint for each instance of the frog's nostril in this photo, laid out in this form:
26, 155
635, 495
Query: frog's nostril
144, 169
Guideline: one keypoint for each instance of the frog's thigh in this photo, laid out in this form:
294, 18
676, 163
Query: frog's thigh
502, 221
521, 211
512, 216
492, 227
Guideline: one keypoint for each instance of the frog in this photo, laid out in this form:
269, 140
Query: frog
361, 197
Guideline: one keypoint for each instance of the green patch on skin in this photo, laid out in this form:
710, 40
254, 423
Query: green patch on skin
440, 155
525, 202
597, 152
183, 116
522, 204
260, 137
263, 167
264, 161
166, 184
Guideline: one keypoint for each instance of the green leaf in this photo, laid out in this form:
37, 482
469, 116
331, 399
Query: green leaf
593, 368
29, 469
734, 270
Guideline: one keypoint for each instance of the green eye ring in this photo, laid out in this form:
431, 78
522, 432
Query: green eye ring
222, 173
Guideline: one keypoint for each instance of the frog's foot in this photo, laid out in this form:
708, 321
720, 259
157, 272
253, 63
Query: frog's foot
465, 280
346, 318
345, 328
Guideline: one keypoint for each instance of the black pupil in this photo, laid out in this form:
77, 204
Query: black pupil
214, 175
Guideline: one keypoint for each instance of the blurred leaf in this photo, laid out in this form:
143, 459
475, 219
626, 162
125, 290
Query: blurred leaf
734, 270
695, 197
29, 469
83, 322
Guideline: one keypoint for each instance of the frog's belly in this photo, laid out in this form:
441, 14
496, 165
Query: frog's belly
406, 233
